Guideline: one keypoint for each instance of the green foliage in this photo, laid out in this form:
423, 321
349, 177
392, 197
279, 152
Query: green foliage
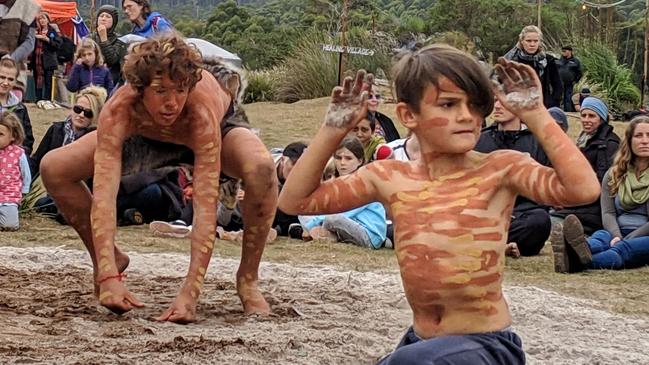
611, 78
261, 86
258, 40
310, 72
496, 22
36, 191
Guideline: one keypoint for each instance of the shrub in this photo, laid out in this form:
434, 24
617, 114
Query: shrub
260, 87
614, 80
309, 72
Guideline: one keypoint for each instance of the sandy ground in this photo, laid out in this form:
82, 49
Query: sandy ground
321, 316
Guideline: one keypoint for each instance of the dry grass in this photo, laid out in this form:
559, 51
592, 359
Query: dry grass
621, 291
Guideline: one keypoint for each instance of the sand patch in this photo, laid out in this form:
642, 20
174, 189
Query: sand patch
321, 316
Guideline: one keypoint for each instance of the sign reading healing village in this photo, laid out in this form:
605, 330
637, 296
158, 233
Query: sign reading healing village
348, 50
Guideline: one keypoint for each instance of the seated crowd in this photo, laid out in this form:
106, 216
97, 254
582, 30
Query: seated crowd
617, 223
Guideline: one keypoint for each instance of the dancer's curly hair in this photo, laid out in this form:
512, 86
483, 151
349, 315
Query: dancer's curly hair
164, 54
624, 156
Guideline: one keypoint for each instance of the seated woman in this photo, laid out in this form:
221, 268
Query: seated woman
624, 241
82, 119
365, 226
89, 68
598, 143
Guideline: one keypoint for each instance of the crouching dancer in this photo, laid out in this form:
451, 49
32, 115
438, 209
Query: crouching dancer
170, 98
451, 207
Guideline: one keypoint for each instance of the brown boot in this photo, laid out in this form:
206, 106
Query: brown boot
559, 249
575, 237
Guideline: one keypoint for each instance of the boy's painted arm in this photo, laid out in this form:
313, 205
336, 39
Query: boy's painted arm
572, 181
303, 193
108, 167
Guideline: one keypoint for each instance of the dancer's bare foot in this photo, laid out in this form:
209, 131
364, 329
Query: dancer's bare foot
121, 261
511, 250
251, 298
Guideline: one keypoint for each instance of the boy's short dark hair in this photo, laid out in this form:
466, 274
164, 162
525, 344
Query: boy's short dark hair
566, 48
294, 150
416, 70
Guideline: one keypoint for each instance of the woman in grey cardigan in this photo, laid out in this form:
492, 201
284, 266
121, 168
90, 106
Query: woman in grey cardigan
624, 241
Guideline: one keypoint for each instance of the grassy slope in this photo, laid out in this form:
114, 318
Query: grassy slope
620, 291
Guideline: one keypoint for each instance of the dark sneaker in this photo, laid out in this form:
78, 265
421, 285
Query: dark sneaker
573, 231
133, 217
559, 249
295, 231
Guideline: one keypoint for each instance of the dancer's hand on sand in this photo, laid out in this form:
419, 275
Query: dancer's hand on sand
182, 310
348, 104
518, 87
114, 296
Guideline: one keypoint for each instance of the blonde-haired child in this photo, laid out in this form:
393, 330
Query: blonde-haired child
89, 68
15, 177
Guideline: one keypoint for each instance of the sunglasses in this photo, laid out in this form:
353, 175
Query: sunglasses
375, 96
78, 109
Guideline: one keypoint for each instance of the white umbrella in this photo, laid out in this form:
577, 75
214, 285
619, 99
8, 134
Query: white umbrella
211, 50
206, 48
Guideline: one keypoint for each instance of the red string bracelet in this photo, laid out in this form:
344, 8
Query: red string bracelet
119, 277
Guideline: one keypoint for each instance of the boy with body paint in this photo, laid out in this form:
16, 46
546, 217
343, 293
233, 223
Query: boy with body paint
451, 208
172, 102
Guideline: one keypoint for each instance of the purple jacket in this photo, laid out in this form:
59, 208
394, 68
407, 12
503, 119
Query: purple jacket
82, 77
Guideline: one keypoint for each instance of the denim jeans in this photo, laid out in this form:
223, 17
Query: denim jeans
627, 253
502, 347
148, 201
567, 98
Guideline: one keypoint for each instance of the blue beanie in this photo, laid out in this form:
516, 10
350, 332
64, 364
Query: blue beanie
560, 117
597, 106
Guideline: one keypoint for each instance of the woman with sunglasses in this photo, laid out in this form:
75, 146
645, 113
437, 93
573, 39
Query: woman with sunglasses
82, 119
384, 125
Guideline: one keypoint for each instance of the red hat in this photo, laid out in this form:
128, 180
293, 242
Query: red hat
382, 152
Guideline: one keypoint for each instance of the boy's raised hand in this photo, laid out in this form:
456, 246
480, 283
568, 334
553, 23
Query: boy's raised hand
349, 103
519, 88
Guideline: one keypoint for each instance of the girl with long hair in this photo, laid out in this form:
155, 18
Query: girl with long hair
365, 226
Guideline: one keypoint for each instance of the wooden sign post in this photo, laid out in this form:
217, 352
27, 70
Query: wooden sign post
345, 50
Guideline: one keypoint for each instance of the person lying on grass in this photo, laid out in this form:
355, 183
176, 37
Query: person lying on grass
450, 208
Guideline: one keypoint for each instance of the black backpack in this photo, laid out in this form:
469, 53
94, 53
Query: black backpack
65, 53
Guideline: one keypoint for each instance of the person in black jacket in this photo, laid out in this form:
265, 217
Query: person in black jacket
44, 60
530, 223
598, 143
9, 101
82, 119
384, 126
529, 50
570, 72
111, 47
